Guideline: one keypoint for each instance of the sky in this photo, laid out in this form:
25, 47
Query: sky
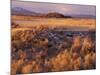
42, 7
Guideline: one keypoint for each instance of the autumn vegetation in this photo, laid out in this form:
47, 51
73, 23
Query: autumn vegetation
42, 49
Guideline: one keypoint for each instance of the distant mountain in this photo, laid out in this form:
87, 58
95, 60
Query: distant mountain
21, 11
57, 15
83, 16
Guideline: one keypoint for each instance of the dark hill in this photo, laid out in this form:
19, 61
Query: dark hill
56, 15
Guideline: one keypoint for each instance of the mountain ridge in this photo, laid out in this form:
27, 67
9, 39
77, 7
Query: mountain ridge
25, 12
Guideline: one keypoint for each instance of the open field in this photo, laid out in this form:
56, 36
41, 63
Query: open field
58, 22
52, 45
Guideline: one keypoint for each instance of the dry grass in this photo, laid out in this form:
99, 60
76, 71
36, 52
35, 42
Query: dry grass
33, 51
58, 22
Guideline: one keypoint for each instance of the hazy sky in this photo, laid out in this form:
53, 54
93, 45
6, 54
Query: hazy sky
51, 7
